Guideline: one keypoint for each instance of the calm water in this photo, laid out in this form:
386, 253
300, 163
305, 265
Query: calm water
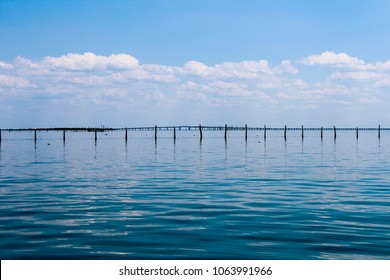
145, 200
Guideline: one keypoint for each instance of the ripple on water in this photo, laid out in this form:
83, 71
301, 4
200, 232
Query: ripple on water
273, 200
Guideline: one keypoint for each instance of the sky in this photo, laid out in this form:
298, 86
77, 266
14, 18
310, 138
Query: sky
158, 62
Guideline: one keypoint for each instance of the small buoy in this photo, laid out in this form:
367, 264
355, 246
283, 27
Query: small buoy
48, 143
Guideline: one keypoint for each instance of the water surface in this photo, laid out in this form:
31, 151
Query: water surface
213, 199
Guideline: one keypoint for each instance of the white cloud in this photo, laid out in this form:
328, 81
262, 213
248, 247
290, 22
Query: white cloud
300, 106
243, 69
120, 61
372, 100
359, 75
4, 65
23, 63
142, 73
120, 80
196, 68
382, 83
90, 61
89, 80
238, 70
227, 85
382, 66
193, 91
335, 60
191, 86
286, 67
287, 96
214, 89
232, 89
10, 81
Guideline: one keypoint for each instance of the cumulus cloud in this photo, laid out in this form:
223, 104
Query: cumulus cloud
286, 66
23, 63
358, 75
382, 66
90, 61
335, 60
10, 81
121, 79
196, 68
193, 91
4, 65
232, 89
243, 69
238, 70
190, 85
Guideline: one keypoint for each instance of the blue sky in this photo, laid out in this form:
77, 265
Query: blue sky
125, 63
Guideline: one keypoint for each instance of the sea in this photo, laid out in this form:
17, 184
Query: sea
143, 199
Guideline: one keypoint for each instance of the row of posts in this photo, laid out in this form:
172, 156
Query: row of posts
225, 135
321, 132
265, 132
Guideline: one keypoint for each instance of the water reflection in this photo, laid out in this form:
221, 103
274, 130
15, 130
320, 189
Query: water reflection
265, 153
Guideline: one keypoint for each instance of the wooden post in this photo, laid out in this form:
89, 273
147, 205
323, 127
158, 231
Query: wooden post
0, 135
225, 132
302, 131
246, 132
174, 134
285, 132
265, 132
126, 135
35, 135
63, 135
200, 133
155, 132
334, 132
95, 135
322, 132
379, 131
357, 133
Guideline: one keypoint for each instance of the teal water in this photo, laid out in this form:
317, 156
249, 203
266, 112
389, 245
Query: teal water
258, 199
